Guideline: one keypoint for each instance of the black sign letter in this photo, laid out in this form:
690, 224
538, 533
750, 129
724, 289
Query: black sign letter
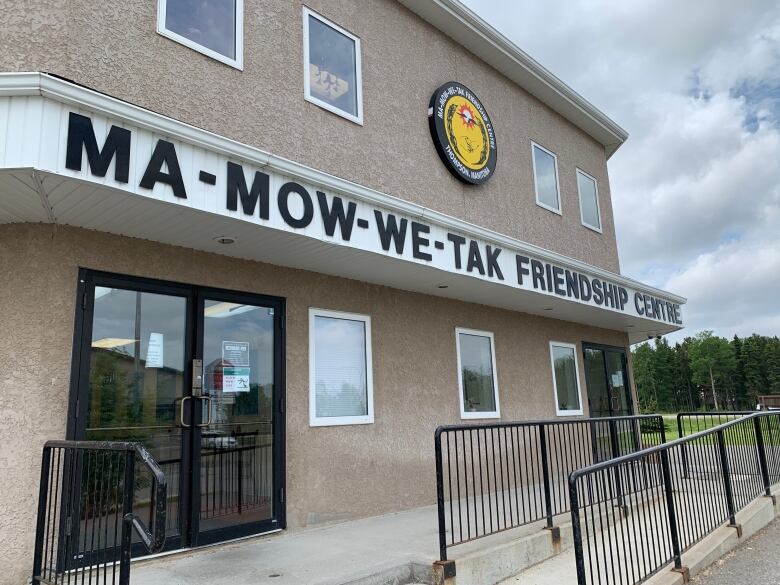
457, 242
164, 154
390, 232
236, 186
336, 214
283, 200
418, 241
82, 134
492, 262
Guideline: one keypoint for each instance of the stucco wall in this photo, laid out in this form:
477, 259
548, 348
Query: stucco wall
383, 467
116, 50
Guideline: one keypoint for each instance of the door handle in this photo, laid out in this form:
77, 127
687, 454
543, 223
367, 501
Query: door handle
181, 412
207, 399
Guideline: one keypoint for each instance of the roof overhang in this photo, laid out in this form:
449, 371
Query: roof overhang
460, 23
48, 175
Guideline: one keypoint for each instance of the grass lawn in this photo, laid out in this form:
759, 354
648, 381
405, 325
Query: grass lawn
736, 436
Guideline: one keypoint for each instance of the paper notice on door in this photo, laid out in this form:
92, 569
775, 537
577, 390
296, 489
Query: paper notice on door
617, 379
235, 379
235, 353
154, 352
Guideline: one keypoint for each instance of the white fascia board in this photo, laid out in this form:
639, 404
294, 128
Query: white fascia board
466, 28
27, 84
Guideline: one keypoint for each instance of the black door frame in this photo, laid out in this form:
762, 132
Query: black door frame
194, 295
279, 517
586, 345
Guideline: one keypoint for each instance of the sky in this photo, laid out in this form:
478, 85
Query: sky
696, 188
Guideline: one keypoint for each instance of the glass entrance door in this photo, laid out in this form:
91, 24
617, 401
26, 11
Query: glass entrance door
609, 395
606, 375
236, 455
196, 376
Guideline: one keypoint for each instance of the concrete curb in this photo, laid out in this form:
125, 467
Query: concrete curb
753, 518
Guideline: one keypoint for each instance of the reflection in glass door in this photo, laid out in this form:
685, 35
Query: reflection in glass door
609, 395
136, 378
195, 375
606, 374
237, 416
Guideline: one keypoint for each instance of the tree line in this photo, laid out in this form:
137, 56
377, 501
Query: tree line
706, 372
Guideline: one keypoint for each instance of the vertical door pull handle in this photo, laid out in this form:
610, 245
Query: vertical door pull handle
181, 412
207, 400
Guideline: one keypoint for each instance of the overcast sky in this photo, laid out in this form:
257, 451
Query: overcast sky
696, 188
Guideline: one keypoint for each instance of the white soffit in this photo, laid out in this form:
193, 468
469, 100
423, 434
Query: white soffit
460, 23
39, 116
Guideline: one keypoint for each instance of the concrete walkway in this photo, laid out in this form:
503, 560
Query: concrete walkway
395, 548
757, 559
394, 544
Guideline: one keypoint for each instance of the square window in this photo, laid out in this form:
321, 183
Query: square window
340, 377
332, 77
212, 27
477, 374
589, 201
566, 379
545, 165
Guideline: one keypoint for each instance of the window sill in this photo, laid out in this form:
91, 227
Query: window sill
340, 421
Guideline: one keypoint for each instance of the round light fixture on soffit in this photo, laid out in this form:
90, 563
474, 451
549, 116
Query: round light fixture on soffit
225, 240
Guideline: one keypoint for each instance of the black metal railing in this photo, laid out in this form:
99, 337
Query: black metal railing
495, 477
234, 479
679, 493
85, 522
689, 423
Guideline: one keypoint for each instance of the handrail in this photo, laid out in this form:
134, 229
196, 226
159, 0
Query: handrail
492, 477
88, 487
153, 542
531, 423
671, 510
664, 447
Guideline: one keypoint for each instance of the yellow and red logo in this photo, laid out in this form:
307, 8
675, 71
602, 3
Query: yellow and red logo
463, 134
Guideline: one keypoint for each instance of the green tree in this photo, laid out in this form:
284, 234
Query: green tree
712, 365
686, 390
664, 373
772, 358
739, 389
643, 378
754, 357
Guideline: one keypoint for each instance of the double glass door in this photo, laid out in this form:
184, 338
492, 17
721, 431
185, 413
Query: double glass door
606, 373
609, 395
196, 375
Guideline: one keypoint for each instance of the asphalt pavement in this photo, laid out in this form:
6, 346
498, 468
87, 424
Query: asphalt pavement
756, 562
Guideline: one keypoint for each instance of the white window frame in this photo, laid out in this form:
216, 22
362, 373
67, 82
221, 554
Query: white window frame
573, 347
358, 68
559, 211
238, 62
477, 415
598, 229
330, 421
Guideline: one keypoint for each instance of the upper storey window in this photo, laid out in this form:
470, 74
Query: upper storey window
546, 178
332, 67
589, 201
212, 27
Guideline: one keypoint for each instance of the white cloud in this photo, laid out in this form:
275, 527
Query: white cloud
696, 189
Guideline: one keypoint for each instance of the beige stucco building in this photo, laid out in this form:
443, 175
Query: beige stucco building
257, 196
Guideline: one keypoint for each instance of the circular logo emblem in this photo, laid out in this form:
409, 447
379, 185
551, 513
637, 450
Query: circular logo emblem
462, 132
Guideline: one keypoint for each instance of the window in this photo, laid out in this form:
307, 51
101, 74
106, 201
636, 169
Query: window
566, 379
331, 58
212, 27
546, 178
477, 374
340, 379
589, 201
